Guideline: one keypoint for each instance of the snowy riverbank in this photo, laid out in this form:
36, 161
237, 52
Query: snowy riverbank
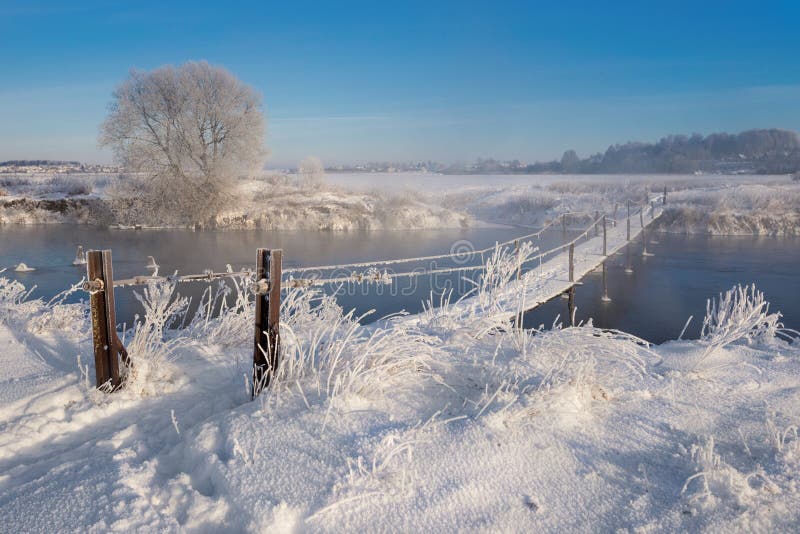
423, 423
718, 205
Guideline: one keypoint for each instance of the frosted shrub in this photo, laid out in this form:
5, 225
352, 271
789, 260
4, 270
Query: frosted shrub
741, 313
716, 480
151, 352
12, 297
58, 316
225, 313
66, 185
330, 349
501, 269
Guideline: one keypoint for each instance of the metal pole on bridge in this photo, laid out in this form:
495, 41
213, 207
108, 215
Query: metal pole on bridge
628, 237
571, 305
572, 262
604, 298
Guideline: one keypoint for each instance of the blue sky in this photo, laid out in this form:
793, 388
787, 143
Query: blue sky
450, 81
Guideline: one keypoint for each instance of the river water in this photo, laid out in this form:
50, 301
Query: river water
653, 302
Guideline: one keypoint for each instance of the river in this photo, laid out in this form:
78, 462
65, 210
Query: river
653, 302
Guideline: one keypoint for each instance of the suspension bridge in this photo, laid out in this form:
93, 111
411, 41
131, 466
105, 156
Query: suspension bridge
516, 278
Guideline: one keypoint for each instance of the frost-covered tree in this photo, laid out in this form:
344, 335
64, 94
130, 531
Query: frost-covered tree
187, 132
311, 172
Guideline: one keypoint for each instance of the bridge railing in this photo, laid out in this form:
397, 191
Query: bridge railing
269, 279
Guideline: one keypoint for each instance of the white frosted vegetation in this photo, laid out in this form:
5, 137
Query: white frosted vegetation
723, 205
422, 423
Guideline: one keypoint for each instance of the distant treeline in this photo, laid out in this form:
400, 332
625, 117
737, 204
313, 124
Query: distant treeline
771, 151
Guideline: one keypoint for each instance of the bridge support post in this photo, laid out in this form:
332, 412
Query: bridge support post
664, 200
571, 305
604, 298
596, 222
628, 236
564, 227
572, 262
519, 263
266, 352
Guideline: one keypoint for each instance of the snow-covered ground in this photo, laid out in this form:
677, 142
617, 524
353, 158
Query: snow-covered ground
723, 205
276, 203
434, 422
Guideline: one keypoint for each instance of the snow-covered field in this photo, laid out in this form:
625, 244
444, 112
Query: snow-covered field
721, 205
434, 422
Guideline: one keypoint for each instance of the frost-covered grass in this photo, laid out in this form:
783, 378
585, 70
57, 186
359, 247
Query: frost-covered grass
269, 202
439, 421
749, 209
740, 205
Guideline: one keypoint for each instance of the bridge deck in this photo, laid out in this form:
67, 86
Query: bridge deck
543, 283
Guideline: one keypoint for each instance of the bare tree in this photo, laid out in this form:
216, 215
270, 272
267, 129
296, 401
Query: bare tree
311, 172
188, 132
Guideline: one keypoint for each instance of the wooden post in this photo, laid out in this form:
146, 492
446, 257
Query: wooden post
108, 348
629, 221
266, 352
596, 222
519, 263
644, 242
641, 216
615, 214
605, 252
604, 298
664, 200
628, 266
564, 227
571, 305
572, 262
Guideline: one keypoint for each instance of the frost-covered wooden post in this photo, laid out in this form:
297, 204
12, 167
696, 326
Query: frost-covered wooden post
628, 267
664, 199
596, 222
572, 262
108, 348
519, 263
571, 305
266, 352
629, 221
605, 298
564, 227
615, 214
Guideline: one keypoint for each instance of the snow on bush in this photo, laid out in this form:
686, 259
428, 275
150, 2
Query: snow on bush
151, 348
12, 297
739, 314
225, 312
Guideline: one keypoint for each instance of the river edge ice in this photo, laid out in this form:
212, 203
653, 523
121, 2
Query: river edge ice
430, 422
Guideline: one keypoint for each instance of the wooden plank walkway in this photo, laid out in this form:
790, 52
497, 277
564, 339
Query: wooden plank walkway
549, 280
